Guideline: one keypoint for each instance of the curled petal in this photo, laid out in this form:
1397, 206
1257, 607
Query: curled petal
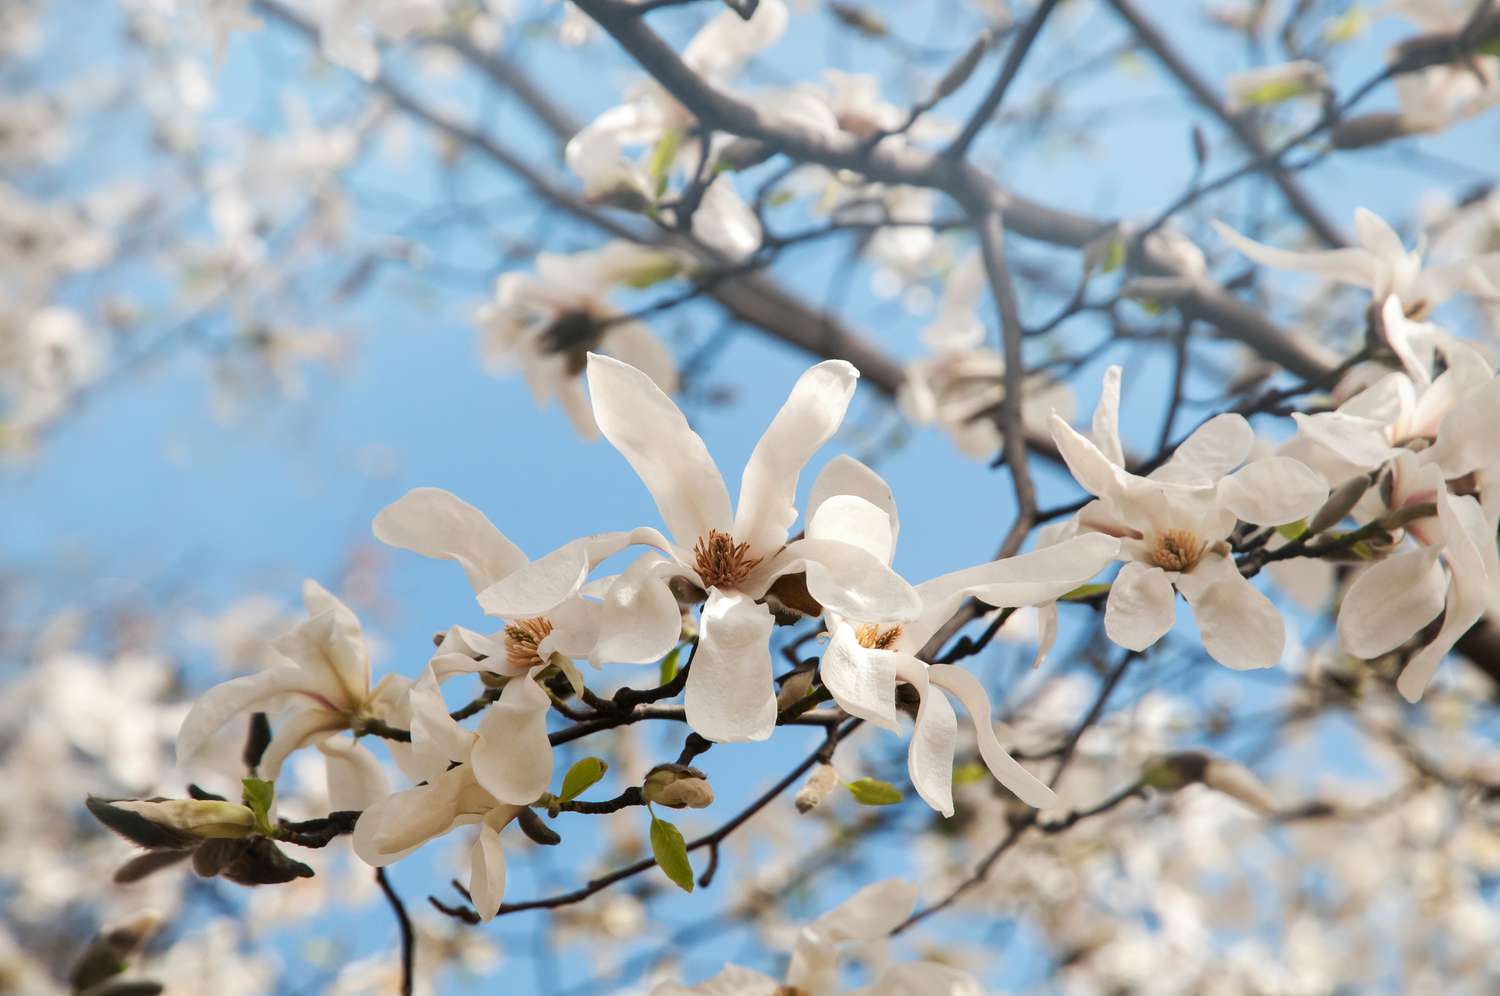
487, 871
1090, 468
853, 520
1006, 769
403, 822
296, 731
330, 649
435, 523
1349, 266
729, 695
845, 579
639, 620
844, 475
1390, 601
862, 681
251, 693
1106, 427
547, 582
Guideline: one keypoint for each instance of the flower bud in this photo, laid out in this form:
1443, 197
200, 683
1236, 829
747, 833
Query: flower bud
794, 689
198, 818
1339, 504
677, 786
107, 954
533, 826
1170, 772
822, 781
1365, 130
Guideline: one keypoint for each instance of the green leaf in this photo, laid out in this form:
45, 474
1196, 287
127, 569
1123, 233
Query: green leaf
662, 157
582, 775
969, 772
1114, 256
873, 792
669, 665
650, 275
1276, 91
1084, 592
259, 795
1292, 530
670, 851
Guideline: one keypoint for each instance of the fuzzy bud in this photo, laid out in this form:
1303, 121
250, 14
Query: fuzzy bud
822, 781
1171, 772
107, 955
1339, 504
1365, 130
677, 786
534, 827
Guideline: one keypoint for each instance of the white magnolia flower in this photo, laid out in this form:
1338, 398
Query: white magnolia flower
1383, 264
739, 558
546, 322
865, 918
1438, 95
867, 657
1174, 525
323, 687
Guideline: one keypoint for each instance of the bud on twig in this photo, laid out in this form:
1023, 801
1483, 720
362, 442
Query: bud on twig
107, 954
1339, 504
533, 826
958, 74
677, 786
1170, 772
1377, 128
822, 781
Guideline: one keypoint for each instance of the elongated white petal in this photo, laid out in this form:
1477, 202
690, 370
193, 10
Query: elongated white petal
809, 418
1349, 266
487, 872
1376, 235
725, 223
929, 756
403, 822
436, 523
846, 579
668, 456
723, 45
251, 693
1240, 626
1273, 491
634, 343
1090, 468
1214, 449
862, 681
436, 737
1046, 632
512, 758
295, 732
1006, 769
844, 475
1465, 440
330, 649
1358, 440
356, 780
1141, 607
1390, 601
547, 582
639, 620
1106, 427
868, 915
853, 520
729, 696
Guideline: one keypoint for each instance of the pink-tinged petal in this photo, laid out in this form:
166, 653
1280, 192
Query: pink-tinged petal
512, 757
1465, 440
1273, 491
1028, 579
1469, 549
487, 872
1240, 627
547, 582
1350, 266
295, 732
669, 457
435, 523
1390, 601
844, 579
639, 619
1090, 468
851, 519
809, 418
1214, 449
730, 698
929, 756
238, 696
634, 343
844, 475
1106, 427
1141, 607
862, 681
356, 780
1006, 769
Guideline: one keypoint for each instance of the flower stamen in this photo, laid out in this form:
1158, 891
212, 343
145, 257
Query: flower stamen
1177, 550
720, 561
521, 641
872, 637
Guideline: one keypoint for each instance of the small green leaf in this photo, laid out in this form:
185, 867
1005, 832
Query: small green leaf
1084, 592
259, 795
670, 851
1114, 256
1292, 530
873, 792
582, 775
969, 772
652, 274
1276, 91
662, 157
669, 665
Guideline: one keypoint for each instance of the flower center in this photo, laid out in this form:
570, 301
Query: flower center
720, 561
571, 334
521, 640
1177, 550
872, 637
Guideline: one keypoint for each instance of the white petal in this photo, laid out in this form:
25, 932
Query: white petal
547, 582
652, 435
1106, 427
217, 706
1469, 548
1390, 601
844, 475
330, 649
435, 523
1349, 266
732, 980
868, 915
512, 758
1376, 235
487, 872
356, 780
634, 343
436, 737
850, 519
1273, 491
1214, 449
1141, 607
809, 418
725, 223
722, 45
1465, 441
1358, 440
1090, 468
863, 682
298, 730
640, 620
400, 823
1006, 769
929, 756
575, 629
729, 696
847, 580
1046, 632
1240, 626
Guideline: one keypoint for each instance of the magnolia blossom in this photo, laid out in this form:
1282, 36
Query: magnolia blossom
324, 687
867, 656
865, 918
737, 559
1174, 525
546, 322
1438, 95
1382, 264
